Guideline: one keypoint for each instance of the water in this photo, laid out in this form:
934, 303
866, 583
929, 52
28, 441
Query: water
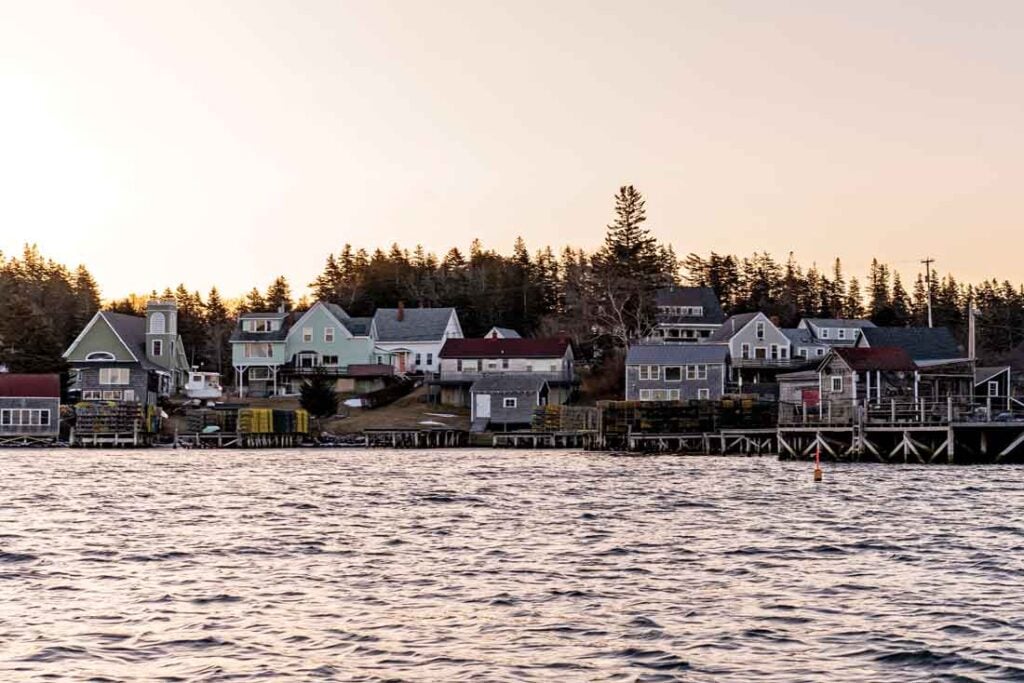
505, 566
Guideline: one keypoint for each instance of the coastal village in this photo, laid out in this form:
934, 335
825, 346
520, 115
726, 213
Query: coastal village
699, 382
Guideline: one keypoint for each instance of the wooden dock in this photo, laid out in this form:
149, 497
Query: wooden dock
416, 438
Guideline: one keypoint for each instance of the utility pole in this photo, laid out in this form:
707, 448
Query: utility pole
928, 280
971, 330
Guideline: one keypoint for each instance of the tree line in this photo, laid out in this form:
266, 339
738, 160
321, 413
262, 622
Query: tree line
601, 300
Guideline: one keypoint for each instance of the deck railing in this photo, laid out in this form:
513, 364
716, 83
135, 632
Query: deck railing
901, 412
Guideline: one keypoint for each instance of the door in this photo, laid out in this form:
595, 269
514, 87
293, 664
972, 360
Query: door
483, 406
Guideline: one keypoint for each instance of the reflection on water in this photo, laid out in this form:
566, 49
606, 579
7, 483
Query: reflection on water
489, 565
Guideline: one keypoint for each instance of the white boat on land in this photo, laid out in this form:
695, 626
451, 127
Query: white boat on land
203, 385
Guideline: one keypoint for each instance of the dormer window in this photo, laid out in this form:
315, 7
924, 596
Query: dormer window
842, 333
824, 333
258, 325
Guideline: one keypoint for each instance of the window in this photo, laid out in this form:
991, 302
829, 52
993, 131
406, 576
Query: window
258, 350
803, 353
259, 374
158, 347
673, 394
430, 360
114, 375
492, 364
128, 395
783, 352
307, 334
458, 365
759, 330
703, 394
993, 388
554, 367
648, 372
659, 395
330, 361
842, 333
28, 417
111, 395
504, 363
645, 394
157, 323
92, 395
696, 372
419, 359
100, 355
820, 352
837, 384
824, 333
259, 325
328, 335
673, 374
775, 351
745, 352
510, 402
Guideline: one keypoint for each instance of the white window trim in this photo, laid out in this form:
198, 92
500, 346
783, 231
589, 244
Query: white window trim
510, 402
158, 347
745, 351
704, 394
681, 370
115, 376
328, 335
993, 388
837, 384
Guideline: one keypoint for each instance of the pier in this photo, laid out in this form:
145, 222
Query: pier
416, 438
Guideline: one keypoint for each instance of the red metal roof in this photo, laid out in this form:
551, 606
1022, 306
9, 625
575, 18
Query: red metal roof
885, 358
505, 348
29, 386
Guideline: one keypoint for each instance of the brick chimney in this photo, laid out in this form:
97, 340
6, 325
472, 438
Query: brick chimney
401, 311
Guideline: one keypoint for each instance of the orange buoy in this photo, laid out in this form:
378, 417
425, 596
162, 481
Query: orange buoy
817, 464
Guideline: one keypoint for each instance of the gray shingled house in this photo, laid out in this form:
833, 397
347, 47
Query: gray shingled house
506, 401
686, 314
668, 372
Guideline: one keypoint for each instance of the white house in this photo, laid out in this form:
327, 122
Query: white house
415, 336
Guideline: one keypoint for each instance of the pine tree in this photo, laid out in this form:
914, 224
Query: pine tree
853, 305
317, 395
279, 295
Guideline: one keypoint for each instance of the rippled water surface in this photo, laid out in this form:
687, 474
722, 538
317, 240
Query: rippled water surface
504, 566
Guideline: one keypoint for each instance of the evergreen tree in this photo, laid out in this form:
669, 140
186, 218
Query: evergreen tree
318, 396
279, 295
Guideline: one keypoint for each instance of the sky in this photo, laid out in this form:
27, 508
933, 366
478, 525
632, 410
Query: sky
225, 143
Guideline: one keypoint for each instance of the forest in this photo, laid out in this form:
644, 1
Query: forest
602, 299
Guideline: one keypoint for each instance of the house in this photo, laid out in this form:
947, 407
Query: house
874, 374
507, 401
464, 361
995, 383
502, 333
275, 352
686, 314
672, 372
119, 357
926, 345
804, 345
29, 407
835, 331
414, 336
258, 351
325, 339
758, 352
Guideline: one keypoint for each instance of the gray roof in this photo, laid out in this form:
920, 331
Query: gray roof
508, 383
676, 354
506, 332
358, 327
921, 343
240, 335
132, 330
704, 297
800, 376
985, 374
732, 325
840, 322
337, 311
417, 324
799, 335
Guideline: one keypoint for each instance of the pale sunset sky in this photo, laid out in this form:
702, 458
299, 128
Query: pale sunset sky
228, 142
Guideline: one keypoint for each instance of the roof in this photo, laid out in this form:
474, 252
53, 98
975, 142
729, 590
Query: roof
510, 383
840, 322
29, 386
883, 358
922, 343
417, 324
336, 310
800, 335
506, 332
732, 325
240, 335
985, 374
704, 297
358, 327
801, 376
132, 331
676, 354
505, 348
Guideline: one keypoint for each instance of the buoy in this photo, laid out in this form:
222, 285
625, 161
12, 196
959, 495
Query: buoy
817, 464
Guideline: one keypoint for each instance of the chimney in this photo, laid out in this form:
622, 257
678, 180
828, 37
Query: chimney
401, 311
280, 308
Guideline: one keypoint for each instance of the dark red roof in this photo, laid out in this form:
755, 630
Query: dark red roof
29, 386
885, 358
505, 348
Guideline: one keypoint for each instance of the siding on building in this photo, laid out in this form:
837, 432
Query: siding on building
31, 403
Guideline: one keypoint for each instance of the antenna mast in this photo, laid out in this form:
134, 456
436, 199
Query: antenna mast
928, 280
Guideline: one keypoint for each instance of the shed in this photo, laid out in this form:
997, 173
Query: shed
29, 407
507, 399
